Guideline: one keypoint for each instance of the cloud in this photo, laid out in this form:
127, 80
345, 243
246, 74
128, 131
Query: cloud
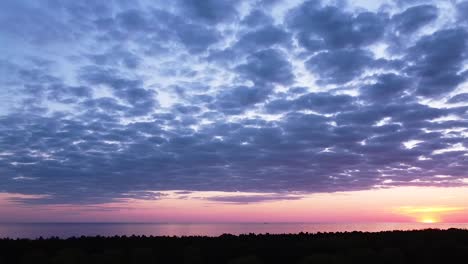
437, 59
319, 102
237, 99
339, 66
462, 8
262, 38
130, 91
388, 87
267, 66
245, 199
210, 11
196, 38
330, 27
108, 101
257, 17
459, 98
414, 18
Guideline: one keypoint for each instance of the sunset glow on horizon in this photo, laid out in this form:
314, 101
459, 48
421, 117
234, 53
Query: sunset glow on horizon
402, 204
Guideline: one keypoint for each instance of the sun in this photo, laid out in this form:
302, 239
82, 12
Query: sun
428, 220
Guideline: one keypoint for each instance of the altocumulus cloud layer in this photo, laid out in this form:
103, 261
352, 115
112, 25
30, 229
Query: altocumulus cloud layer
110, 99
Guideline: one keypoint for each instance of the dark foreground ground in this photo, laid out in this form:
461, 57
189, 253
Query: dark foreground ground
428, 246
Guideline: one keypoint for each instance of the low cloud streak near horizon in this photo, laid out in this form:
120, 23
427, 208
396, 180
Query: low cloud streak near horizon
255, 102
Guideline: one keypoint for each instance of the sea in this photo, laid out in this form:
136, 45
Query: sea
67, 230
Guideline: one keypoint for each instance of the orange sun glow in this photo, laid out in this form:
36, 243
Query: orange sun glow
429, 220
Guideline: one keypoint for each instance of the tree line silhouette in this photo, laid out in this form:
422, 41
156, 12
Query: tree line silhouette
425, 246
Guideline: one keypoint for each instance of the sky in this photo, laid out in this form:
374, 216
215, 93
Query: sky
234, 111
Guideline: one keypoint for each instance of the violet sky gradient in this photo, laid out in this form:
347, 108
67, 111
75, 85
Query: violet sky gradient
109, 100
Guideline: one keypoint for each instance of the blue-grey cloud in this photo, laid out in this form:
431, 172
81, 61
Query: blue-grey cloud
105, 101
329, 27
414, 18
462, 8
267, 66
237, 100
257, 18
437, 60
387, 87
459, 98
264, 37
340, 66
209, 11
319, 102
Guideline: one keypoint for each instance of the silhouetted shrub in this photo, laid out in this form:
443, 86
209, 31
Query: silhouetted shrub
192, 255
33, 256
109, 257
245, 260
69, 256
361, 255
142, 255
319, 259
391, 255
427, 246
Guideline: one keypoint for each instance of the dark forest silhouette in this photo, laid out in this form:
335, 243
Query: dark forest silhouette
427, 246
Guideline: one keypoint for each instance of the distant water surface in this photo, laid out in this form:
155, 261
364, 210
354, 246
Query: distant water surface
64, 230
